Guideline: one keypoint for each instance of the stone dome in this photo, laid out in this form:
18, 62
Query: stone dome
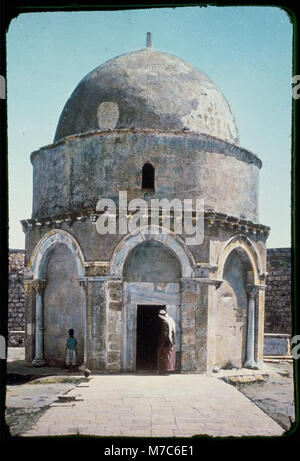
147, 89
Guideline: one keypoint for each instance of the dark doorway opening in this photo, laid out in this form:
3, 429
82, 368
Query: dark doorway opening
148, 329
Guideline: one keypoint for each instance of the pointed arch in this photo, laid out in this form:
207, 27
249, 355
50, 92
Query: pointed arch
168, 239
241, 241
42, 251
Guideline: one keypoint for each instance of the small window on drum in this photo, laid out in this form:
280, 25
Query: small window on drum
148, 176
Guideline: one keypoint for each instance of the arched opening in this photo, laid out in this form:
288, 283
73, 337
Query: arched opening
151, 282
241, 242
57, 263
232, 310
148, 177
64, 305
151, 262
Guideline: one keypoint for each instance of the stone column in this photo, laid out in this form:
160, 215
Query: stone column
82, 367
260, 325
29, 320
212, 318
39, 286
96, 323
205, 316
250, 358
114, 324
188, 325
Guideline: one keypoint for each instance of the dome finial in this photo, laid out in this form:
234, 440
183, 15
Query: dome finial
149, 40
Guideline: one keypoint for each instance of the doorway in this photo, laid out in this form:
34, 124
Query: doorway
148, 328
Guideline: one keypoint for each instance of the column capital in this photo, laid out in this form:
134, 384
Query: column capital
39, 285
28, 275
252, 290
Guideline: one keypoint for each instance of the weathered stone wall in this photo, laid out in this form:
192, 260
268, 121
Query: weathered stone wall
64, 306
97, 247
151, 262
97, 355
277, 308
278, 311
16, 311
232, 313
151, 274
71, 175
147, 89
139, 293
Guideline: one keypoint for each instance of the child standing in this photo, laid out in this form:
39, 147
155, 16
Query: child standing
71, 349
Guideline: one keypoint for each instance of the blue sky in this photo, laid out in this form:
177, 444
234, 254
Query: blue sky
246, 51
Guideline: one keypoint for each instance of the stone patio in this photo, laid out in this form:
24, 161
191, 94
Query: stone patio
155, 406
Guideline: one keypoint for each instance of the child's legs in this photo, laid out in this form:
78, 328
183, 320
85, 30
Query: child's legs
73, 357
68, 358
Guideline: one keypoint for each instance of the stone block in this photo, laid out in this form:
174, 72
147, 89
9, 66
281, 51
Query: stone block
113, 367
115, 291
246, 379
113, 356
188, 332
114, 342
115, 306
186, 361
233, 379
275, 345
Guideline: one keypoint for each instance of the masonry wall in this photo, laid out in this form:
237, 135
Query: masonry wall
71, 175
64, 306
16, 311
277, 306
278, 311
232, 313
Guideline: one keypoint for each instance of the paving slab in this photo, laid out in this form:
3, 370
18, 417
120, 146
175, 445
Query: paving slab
156, 406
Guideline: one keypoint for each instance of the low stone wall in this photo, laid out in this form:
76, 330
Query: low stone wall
16, 311
277, 345
278, 311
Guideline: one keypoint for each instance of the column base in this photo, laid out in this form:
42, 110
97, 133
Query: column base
38, 362
251, 364
82, 367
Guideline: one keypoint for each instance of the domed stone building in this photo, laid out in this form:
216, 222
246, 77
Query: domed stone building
152, 125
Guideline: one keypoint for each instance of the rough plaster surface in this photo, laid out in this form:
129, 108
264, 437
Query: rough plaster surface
147, 89
98, 247
232, 313
73, 175
106, 305
151, 262
64, 306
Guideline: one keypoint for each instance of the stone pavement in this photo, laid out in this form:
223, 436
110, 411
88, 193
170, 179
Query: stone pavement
275, 397
25, 403
155, 406
37, 394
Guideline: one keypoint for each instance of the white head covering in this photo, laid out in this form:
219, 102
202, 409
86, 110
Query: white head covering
171, 324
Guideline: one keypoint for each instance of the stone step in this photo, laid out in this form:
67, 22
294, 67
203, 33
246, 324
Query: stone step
245, 379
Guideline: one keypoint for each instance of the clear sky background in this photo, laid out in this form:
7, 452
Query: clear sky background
246, 51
